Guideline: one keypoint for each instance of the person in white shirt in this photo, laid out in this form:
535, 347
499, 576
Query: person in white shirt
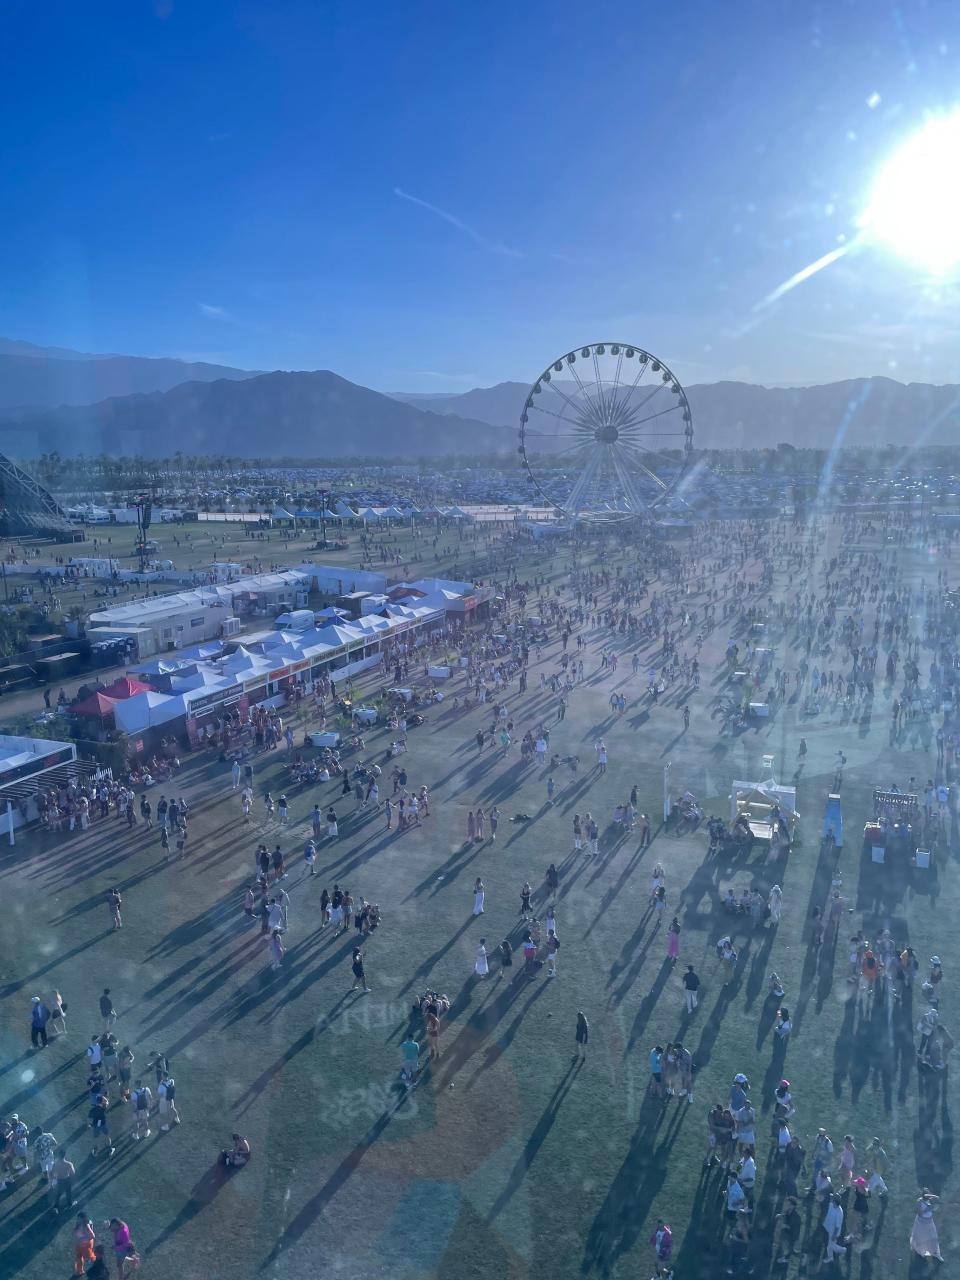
167, 1107
736, 1197
833, 1226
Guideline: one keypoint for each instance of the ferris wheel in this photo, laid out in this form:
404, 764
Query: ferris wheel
612, 432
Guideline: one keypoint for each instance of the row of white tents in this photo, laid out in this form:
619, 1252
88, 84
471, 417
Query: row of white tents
373, 515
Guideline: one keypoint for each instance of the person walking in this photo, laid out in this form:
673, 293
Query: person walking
553, 947
691, 986
471, 828
166, 1102
525, 891
924, 1240
673, 939
494, 823
582, 1035
359, 977
480, 820
235, 772
61, 1181
142, 1100
433, 1037
275, 948
121, 1241
775, 905
44, 1146
97, 1117
39, 1017
662, 1242
58, 1014
107, 1012
84, 1238
114, 902
480, 966
479, 894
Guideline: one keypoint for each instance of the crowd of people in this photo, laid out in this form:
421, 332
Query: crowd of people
846, 619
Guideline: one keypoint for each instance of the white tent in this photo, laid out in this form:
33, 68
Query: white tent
143, 710
757, 799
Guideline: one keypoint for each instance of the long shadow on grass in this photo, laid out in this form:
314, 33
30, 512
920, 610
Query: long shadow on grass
537, 1138
201, 1195
465, 852
648, 1004
481, 1025
639, 1180
11, 988
253, 1091
933, 1136
436, 956
315, 1206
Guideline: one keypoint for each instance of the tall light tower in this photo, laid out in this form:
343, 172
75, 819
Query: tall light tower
324, 494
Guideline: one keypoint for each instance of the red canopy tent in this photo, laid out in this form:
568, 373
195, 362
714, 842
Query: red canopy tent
125, 687
98, 705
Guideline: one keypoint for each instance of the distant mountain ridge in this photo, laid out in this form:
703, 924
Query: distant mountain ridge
74, 402
33, 377
315, 414
728, 415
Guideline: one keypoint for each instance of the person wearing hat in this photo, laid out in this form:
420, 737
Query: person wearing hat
833, 1226
861, 1207
738, 1092
39, 1017
931, 988
879, 1163
925, 1029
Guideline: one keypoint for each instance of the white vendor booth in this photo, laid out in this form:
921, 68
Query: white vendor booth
757, 799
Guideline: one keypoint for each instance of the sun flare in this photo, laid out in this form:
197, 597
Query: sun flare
914, 208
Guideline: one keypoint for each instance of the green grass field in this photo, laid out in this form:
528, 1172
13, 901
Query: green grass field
197, 544
508, 1159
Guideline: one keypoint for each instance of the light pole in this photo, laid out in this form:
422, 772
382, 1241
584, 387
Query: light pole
324, 494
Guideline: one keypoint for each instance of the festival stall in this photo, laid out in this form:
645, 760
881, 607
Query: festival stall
896, 827
765, 805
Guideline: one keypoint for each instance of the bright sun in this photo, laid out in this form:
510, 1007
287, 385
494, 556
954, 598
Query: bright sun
914, 208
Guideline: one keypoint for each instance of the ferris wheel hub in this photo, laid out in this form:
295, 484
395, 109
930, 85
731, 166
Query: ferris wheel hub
607, 434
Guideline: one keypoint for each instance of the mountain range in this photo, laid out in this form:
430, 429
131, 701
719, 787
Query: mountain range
308, 415
36, 378
75, 402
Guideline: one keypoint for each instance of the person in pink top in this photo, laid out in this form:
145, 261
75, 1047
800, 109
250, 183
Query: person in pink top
121, 1241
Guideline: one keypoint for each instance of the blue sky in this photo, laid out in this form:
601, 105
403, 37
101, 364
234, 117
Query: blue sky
436, 196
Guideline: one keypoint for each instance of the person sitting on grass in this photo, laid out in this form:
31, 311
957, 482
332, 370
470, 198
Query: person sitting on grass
239, 1154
